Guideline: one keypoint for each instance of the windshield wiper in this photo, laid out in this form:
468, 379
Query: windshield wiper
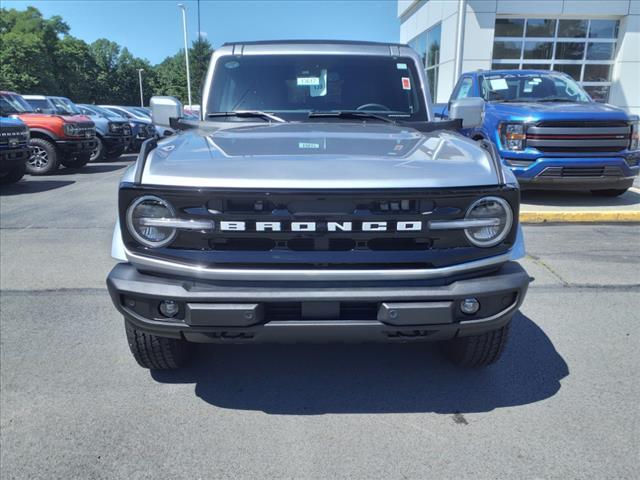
248, 114
360, 114
554, 99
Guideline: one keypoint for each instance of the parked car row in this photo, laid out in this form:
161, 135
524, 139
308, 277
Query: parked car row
39, 133
550, 132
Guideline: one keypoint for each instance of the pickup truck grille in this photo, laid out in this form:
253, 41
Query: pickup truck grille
579, 136
393, 247
576, 172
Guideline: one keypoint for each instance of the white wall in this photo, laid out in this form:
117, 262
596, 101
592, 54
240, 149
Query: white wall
418, 16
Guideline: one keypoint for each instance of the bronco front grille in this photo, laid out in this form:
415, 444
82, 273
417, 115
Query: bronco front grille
405, 241
579, 136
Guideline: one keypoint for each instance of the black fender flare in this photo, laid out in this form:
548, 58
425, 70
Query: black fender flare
41, 132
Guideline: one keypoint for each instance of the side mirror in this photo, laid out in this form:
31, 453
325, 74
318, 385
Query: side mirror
163, 109
470, 110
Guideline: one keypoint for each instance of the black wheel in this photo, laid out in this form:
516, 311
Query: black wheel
44, 157
12, 176
76, 162
115, 153
610, 192
477, 350
98, 153
157, 353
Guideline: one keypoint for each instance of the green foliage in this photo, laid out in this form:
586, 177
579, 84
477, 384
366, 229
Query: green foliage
39, 56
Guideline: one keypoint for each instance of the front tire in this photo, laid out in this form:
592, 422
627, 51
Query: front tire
98, 153
44, 157
12, 176
156, 353
477, 350
610, 192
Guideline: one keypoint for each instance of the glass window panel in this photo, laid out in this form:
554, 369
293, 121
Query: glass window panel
433, 46
604, 29
509, 27
572, 28
538, 50
537, 27
536, 66
505, 66
597, 73
599, 93
572, 70
506, 49
431, 77
569, 50
600, 51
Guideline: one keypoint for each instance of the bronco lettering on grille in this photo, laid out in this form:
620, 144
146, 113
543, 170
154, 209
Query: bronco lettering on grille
382, 226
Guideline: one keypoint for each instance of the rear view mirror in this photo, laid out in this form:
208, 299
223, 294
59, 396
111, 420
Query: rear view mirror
470, 110
163, 109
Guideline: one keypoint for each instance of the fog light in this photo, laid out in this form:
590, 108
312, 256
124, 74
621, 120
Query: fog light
169, 308
469, 306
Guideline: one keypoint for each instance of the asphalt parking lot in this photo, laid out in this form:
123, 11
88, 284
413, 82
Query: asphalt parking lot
561, 403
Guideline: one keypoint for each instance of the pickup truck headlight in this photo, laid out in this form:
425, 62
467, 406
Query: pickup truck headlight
140, 221
494, 218
513, 136
635, 136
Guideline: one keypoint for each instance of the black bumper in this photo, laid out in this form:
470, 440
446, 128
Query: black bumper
77, 147
586, 183
14, 157
249, 312
112, 142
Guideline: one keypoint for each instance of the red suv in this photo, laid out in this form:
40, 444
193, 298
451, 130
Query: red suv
55, 139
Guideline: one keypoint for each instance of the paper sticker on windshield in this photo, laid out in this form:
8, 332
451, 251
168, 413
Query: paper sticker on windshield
406, 83
498, 84
401, 66
308, 145
308, 81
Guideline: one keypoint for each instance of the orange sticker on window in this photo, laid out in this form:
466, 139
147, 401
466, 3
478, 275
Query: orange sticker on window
406, 83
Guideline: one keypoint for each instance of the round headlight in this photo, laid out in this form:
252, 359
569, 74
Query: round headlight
497, 217
140, 215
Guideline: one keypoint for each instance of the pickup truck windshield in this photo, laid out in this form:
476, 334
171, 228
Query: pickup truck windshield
290, 84
13, 104
530, 87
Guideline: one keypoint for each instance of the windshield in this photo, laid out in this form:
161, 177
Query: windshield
516, 87
117, 111
65, 106
104, 112
283, 84
41, 105
13, 104
142, 112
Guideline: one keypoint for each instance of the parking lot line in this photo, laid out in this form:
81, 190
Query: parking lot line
593, 216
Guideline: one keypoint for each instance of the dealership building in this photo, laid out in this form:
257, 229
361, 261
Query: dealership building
597, 42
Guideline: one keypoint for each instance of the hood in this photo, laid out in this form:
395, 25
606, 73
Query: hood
321, 156
65, 118
11, 122
533, 111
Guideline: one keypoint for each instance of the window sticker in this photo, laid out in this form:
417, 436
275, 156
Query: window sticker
528, 86
406, 83
498, 84
319, 89
401, 66
308, 81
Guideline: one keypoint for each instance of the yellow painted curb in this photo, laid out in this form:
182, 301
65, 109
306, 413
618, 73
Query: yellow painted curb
583, 216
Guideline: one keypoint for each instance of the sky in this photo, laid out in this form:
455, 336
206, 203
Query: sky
152, 29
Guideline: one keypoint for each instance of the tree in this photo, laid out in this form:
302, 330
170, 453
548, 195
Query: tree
199, 57
170, 77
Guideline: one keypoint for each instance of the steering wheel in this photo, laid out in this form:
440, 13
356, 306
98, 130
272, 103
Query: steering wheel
378, 106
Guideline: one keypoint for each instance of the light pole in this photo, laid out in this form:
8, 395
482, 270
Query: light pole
140, 70
186, 48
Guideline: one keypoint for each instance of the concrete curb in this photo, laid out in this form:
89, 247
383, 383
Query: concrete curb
613, 216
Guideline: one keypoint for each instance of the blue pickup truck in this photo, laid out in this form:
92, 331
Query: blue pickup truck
551, 133
14, 149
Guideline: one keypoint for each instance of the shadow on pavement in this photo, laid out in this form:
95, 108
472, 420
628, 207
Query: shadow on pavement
367, 378
92, 168
26, 186
578, 199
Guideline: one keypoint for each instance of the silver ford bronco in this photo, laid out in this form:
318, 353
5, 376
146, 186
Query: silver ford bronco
316, 199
